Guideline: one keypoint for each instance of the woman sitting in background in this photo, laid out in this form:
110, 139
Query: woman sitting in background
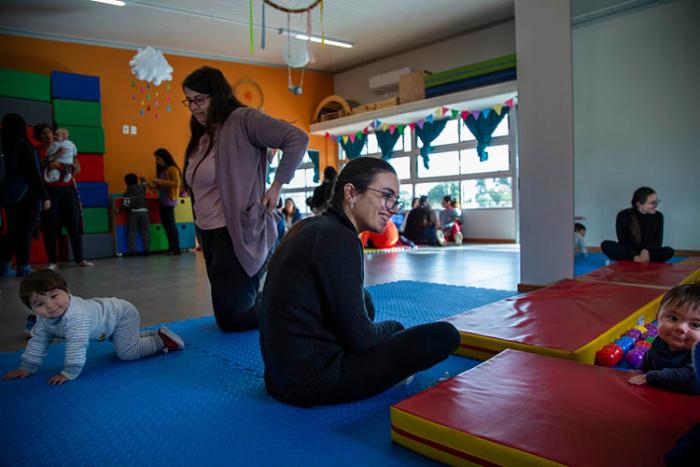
290, 214
422, 226
640, 231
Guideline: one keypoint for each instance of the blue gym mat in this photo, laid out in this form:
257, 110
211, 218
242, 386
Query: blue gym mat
207, 405
592, 261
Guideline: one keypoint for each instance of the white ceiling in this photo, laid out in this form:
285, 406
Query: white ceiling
220, 28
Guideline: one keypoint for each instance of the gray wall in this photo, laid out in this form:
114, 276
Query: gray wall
636, 117
474, 47
543, 38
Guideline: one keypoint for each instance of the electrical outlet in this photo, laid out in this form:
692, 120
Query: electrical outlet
125, 129
133, 130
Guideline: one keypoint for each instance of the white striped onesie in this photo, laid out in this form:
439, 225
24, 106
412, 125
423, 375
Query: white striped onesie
86, 320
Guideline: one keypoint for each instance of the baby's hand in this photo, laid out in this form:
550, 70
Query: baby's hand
57, 379
19, 373
638, 380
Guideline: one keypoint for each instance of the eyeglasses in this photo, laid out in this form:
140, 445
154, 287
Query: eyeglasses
654, 203
198, 101
391, 202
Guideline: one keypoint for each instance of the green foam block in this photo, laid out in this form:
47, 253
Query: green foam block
24, 85
95, 220
470, 71
87, 139
159, 240
77, 113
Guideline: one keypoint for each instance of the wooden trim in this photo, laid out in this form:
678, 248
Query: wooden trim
489, 240
529, 287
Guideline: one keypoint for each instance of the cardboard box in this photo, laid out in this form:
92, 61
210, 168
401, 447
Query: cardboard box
412, 87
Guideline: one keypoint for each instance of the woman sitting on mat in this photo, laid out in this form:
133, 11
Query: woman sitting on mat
422, 225
640, 231
318, 337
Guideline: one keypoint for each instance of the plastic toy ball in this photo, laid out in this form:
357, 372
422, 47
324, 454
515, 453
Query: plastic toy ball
634, 334
635, 357
650, 339
652, 332
641, 328
642, 344
625, 343
610, 355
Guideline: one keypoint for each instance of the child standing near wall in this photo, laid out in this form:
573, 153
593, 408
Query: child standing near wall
78, 321
135, 204
579, 241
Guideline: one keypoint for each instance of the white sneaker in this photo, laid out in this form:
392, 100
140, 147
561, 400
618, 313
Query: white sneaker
86, 264
440, 238
458, 238
52, 266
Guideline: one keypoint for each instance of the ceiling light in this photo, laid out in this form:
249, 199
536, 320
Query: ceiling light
304, 37
111, 2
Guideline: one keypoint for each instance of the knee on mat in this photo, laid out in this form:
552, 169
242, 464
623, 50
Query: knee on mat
127, 355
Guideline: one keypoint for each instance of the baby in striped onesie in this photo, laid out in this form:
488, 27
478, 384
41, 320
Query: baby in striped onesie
78, 321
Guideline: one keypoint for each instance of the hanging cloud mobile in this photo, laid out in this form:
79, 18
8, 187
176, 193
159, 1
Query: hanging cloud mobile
150, 65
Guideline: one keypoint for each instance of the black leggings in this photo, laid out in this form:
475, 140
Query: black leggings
167, 219
233, 293
619, 252
404, 353
65, 211
21, 219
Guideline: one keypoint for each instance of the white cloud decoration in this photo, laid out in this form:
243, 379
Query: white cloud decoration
150, 65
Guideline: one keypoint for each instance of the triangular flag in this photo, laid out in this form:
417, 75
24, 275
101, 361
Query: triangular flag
509, 103
377, 124
365, 130
352, 138
392, 129
445, 110
438, 113
476, 113
345, 139
429, 119
498, 108
401, 128
412, 125
464, 114
385, 126
420, 124
328, 135
454, 113
371, 124
358, 134
339, 139
486, 112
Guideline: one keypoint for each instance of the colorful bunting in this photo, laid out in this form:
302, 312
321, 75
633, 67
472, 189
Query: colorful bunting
420, 124
498, 108
352, 138
509, 103
392, 129
464, 114
345, 139
429, 119
328, 135
486, 112
476, 113
454, 113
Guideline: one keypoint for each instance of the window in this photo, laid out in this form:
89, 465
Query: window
498, 161
301, 186
441, 164
449, 135
487, 193
402, 165
436, 191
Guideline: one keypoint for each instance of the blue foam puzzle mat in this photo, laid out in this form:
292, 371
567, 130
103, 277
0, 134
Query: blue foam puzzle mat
592, 261
207, 405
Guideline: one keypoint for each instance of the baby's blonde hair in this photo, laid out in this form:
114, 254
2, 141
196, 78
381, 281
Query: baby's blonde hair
62, 134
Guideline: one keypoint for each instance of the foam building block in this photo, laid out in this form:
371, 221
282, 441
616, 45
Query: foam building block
87, 139
186, 234
92, 168
183, 211
24, 85
570, 320
95, 246
153, 211
32, 112
158, 239
95, 220
93, 194
75, 86
77, 113
523, 409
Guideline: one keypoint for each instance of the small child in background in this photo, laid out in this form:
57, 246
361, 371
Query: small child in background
135, 204
579, 242
668, 363
78, 321
63, 151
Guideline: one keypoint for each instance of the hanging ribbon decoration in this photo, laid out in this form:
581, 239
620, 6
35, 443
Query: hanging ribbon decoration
252, 46
262, 34
323, 31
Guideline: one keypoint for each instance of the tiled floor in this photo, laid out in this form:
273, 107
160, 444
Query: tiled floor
170, 288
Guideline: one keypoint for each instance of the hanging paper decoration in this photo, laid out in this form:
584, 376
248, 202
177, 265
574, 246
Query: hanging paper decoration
150, 65
262, 34
509, 103
428, 119
498, 108
486, 112
454, 113
475, 113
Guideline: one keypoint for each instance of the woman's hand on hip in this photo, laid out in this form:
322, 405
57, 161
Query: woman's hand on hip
272, 196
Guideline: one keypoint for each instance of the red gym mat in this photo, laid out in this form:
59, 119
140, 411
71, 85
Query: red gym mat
665, 275
524, 409
570, 319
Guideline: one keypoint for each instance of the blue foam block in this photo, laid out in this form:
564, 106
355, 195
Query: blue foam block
471, 83
592, 261
207, 404
75, 86
185, 231
93, 194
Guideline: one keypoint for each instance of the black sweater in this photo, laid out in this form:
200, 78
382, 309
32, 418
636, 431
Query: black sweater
670, 369
22, 171
651, 229
314, 309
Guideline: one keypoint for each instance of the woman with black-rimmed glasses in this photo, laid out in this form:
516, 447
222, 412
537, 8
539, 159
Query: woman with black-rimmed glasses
640, 231
318, 337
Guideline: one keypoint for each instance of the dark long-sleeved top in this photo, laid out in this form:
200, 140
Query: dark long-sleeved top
22, 173
651, 229
314, 309
135, 197
670, 369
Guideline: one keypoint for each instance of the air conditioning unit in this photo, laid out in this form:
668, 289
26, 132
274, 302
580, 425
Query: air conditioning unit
387, 80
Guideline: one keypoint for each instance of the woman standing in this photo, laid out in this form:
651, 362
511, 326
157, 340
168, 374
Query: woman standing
318, 337
168, 185
225, 172
65, 207
23, 194
640, 231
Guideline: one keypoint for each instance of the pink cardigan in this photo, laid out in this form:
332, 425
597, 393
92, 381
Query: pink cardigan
241, 171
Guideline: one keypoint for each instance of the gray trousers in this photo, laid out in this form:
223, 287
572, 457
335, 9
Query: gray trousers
129, 342
138, 222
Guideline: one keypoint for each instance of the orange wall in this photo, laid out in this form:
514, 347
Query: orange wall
170, 130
